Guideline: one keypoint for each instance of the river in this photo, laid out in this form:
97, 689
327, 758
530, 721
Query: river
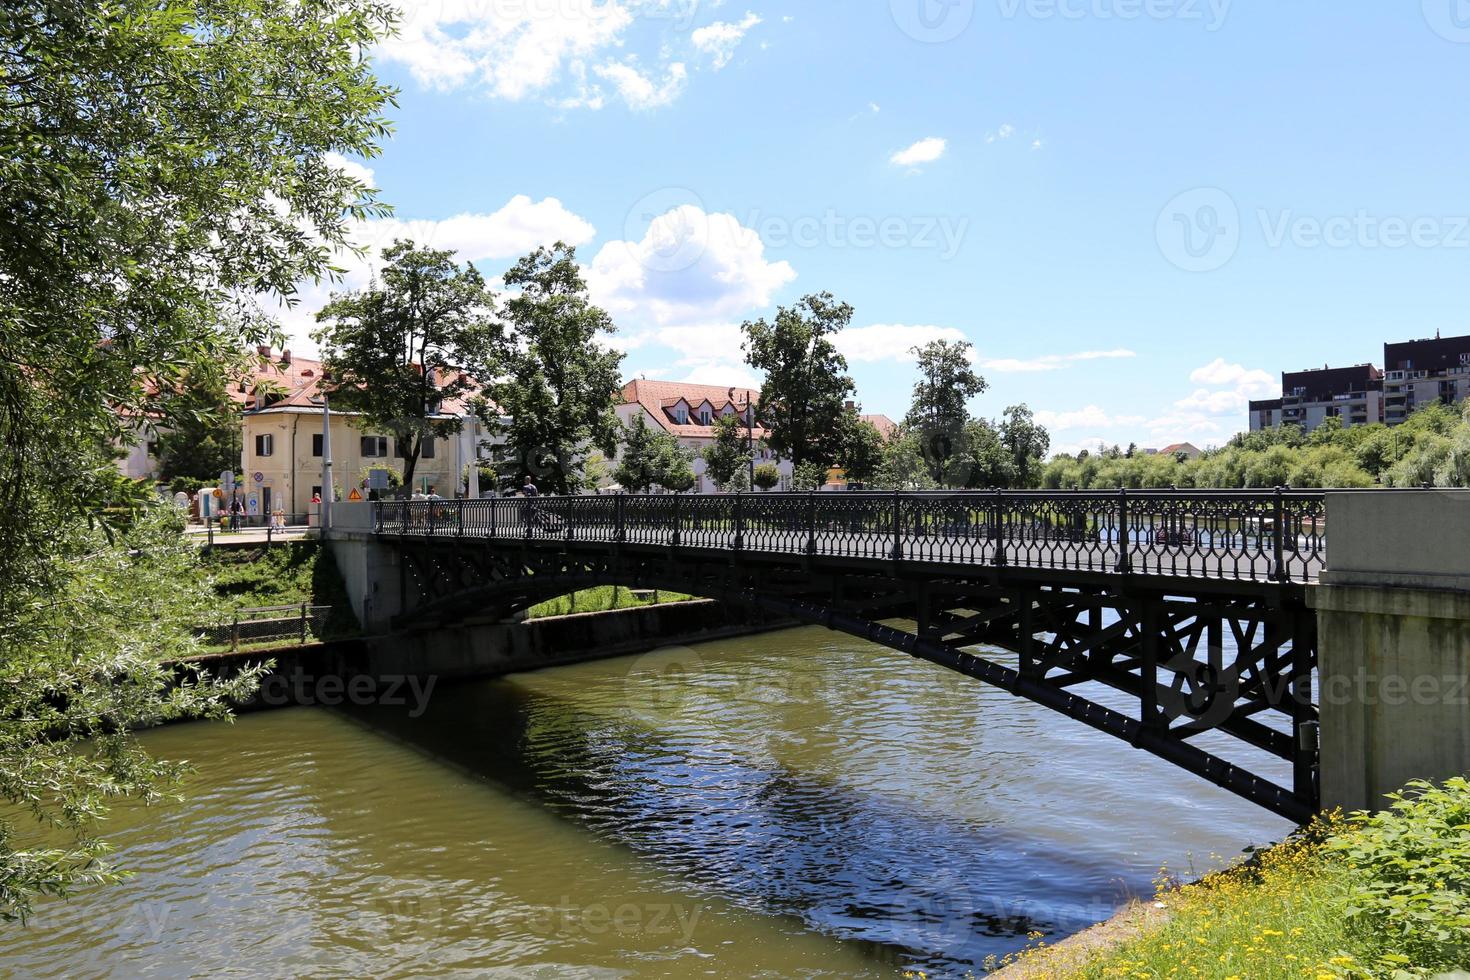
794, 804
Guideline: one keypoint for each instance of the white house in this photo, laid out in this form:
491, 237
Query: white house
688, 413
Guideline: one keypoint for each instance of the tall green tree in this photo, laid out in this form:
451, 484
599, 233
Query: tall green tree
166, 171
650, 458
985, 462
727, 459
802, 397
413, 340
558, 381
860, 447
904, 466
939, 411
203, 438
1027, 442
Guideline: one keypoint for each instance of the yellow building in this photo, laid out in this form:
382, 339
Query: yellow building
281, 460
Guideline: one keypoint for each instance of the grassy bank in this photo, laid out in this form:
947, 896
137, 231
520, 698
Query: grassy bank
600, 599
282, 575
1386, 896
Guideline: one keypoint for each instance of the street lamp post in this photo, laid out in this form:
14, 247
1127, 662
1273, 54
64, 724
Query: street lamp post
325, 511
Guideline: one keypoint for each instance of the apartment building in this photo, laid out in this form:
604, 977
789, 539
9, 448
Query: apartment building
1421, 372
1308, 398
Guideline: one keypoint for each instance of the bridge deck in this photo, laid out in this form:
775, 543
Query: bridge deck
1250, 536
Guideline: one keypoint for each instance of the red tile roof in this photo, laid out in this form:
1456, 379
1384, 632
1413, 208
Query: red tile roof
299, 380
887, 428
657, 396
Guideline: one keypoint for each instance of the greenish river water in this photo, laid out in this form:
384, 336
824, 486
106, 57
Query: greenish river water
794, 804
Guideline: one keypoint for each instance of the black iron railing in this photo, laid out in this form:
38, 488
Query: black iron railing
1260, 535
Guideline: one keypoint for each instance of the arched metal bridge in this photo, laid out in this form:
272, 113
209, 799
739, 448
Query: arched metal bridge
1174, 620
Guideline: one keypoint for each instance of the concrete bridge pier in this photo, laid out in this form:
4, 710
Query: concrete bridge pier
372, 570
1393, 633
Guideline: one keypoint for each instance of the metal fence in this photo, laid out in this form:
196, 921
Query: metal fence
265, 624
1260, 535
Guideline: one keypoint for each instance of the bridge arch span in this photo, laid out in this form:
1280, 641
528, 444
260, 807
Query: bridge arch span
1213, 661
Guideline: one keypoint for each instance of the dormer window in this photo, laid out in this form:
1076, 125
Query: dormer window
705, 416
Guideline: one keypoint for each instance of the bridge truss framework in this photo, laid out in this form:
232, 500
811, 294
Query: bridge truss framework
1190, 606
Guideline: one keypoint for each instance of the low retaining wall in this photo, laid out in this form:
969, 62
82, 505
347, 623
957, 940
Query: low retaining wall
401, 668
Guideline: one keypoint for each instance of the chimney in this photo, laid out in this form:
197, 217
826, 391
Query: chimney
264, 350
850, 406
286, 357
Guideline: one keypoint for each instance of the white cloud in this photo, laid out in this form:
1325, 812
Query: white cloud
890, 341
925, 151
1091, 417
515, 229
720, 39
518, 227
1050, 362
1005, 132
689, 268
721, 372
352, 168
1253, 382
516, 50
639, 90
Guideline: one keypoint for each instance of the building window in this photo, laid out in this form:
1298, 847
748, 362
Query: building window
316, 444
426, 448
374, 447
265, 444
704, 416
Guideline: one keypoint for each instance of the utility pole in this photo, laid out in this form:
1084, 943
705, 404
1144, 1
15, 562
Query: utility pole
326, 509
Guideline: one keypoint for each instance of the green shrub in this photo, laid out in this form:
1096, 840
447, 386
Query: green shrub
1410, 880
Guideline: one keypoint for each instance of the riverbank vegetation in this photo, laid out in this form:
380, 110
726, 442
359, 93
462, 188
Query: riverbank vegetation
1381, 897
601, 599
282, 575
1431, 447
171, 171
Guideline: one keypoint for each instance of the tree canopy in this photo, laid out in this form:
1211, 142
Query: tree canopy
167, 170
651, 458
727, 459
1429, 447
557, 380
414, 340
939, 411
806, 380
203, 435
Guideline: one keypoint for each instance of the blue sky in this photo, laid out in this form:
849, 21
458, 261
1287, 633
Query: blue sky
1138, 211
